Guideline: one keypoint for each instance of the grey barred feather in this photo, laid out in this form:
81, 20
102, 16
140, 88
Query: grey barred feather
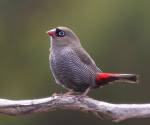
70, 70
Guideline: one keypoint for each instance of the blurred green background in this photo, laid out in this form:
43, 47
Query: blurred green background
114, 32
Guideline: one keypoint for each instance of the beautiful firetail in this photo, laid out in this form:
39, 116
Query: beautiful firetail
72, 66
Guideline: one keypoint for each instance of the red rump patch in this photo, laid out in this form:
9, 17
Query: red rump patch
101, 76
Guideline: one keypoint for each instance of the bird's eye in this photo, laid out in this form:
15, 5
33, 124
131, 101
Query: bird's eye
60, 33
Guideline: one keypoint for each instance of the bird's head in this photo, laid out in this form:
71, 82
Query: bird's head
63, 36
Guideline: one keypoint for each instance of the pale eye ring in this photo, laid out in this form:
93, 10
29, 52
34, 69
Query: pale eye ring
61, 33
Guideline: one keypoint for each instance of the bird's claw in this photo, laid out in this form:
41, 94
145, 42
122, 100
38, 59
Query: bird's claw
57, 94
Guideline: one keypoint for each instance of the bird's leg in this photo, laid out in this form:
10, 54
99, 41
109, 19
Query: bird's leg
56, 94
86, 92
70, 92
79, 97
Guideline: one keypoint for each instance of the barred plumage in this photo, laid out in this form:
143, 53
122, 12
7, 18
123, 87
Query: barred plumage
69, 70
72, 66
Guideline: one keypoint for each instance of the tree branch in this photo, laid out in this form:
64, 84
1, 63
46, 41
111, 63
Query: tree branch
104, 110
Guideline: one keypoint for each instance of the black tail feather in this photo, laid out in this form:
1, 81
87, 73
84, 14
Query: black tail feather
106, 78
129, 78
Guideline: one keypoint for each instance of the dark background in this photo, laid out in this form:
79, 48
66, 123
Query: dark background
114, 32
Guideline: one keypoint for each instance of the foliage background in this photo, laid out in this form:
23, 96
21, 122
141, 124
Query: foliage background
114, 32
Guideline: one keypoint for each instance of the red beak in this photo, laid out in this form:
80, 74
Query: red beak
51, 32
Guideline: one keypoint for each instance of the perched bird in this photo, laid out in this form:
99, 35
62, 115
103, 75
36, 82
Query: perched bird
73, 68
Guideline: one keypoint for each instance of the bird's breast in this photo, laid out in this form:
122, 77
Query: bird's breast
68, 70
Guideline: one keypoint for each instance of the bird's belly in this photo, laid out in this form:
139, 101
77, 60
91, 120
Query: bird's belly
70, 74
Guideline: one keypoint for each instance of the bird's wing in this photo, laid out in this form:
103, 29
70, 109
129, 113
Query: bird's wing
86, 59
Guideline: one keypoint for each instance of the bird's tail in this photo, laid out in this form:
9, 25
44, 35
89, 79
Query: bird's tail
106, 78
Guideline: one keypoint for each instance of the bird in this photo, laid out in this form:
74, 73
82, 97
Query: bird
73, 68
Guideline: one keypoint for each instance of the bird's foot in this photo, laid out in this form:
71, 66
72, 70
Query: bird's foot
57, 94
70, 92
80, 97
83, 95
